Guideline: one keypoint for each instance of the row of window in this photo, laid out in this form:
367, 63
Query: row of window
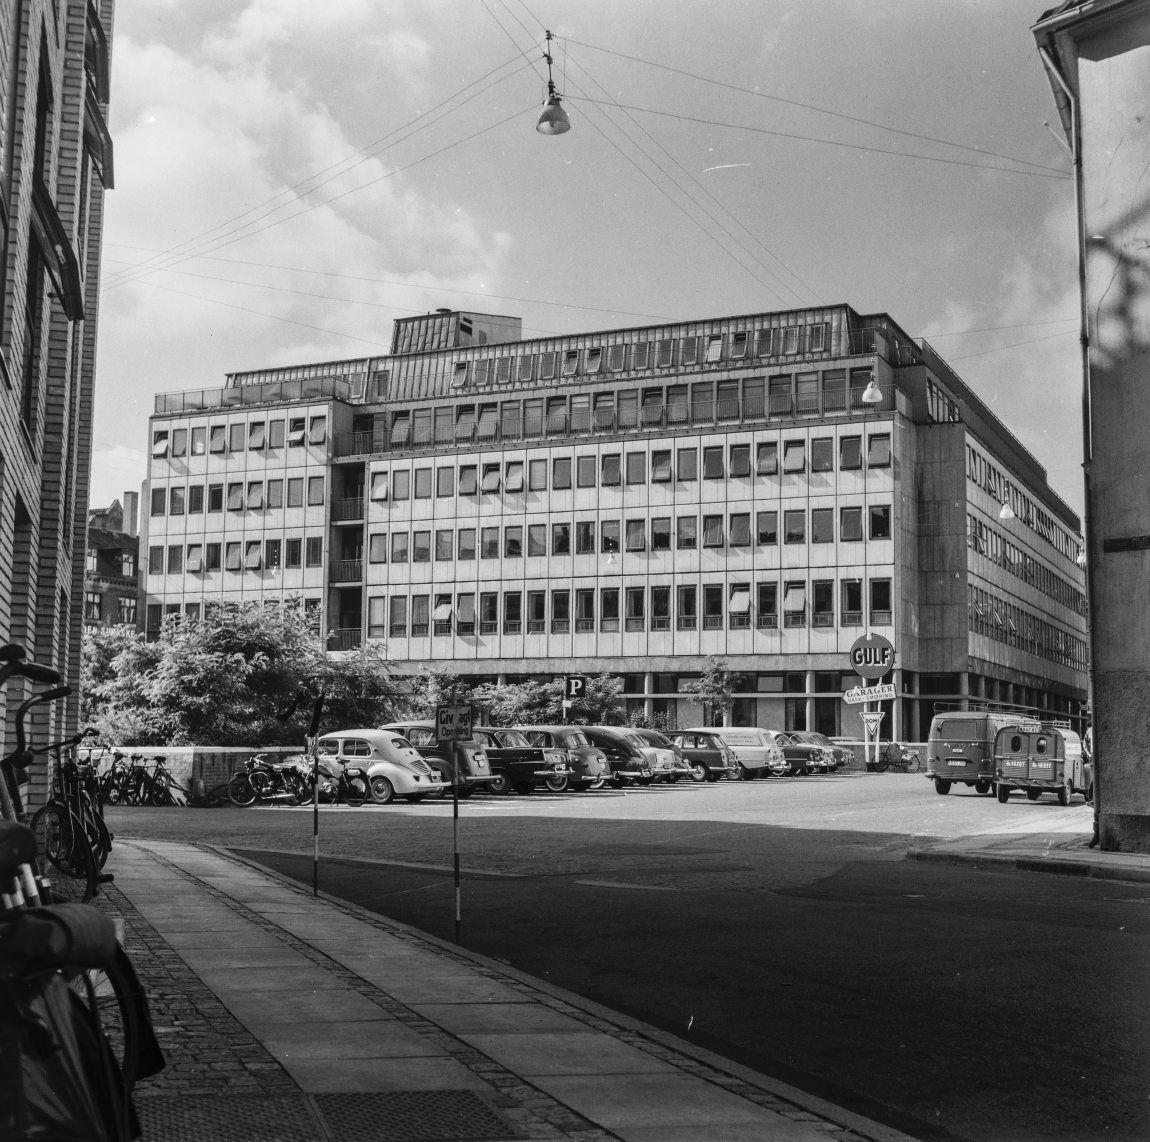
238, 436
983, 474
124, 560
236, 555
613, 469
125, 611
157, 612
1003, 621
665, 353
984, 539
586, 537
237, 496
737, 606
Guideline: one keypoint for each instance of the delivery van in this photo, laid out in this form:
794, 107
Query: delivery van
960, 747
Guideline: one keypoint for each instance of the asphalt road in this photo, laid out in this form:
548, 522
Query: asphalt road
778, 923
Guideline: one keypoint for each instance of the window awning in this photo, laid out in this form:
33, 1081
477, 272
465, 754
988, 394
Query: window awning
740, 600
379, 482
442, 613
253, 560
491, 481
295, 437
194, 563
160, 446
795, 599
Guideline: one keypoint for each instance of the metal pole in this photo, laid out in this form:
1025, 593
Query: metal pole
455, 839
313, 749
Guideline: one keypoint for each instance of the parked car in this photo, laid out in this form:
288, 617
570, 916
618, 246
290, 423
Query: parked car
757, 752
392, 764
708, 756
803, 758
626, 754
474, 771
517, 764
588, 764
667, 761
840, 754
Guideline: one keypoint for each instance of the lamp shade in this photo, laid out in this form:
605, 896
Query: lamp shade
1006, 512
554, 119
871, 394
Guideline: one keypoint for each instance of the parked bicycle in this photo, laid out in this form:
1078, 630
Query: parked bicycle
897, 758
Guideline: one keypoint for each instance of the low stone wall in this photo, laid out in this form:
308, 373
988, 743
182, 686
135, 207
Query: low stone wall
212, 765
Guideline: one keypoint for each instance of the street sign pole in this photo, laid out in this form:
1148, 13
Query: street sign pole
452, 725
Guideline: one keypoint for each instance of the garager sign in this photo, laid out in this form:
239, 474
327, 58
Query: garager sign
872, 656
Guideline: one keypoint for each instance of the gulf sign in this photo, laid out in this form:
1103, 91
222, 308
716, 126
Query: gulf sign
872, 656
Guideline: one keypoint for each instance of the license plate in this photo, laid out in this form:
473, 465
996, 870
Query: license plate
961, 761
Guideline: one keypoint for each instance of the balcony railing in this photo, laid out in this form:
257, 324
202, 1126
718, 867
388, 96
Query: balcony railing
347, 570
311, 388
345, 638
347, 509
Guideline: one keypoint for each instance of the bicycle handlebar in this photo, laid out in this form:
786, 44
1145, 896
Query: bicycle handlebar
21, 712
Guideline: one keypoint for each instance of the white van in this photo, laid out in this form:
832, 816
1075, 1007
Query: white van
757, 751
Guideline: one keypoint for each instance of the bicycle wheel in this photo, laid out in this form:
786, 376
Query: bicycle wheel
64, 855
116, 1009
98, 836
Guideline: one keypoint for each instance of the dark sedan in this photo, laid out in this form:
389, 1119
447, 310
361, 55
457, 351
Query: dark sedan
709, 757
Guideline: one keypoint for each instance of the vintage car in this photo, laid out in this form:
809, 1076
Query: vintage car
518, 765
445, 757
588, 764
392, 764
1046, 760
708, 756
802, 757
668, 762
840, 754
757, 752
626, 754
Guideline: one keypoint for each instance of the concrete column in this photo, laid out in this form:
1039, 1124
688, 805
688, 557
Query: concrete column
810, 685
648, 701
914, 729
964, 690
895, 732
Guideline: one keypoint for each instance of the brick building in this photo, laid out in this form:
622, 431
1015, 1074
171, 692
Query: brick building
634, 501
55, 164
112, 570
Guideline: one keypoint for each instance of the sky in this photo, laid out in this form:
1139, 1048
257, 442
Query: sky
292, 176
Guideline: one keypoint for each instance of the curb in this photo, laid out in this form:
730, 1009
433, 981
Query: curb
1034, 862
836, 1115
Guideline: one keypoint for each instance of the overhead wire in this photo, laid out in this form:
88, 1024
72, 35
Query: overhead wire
814, 107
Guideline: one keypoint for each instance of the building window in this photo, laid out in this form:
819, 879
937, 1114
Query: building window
215, 497
253, 555
489, 543
687, 468
851, 590
594, 360
636, 535
376, 547
400, 542
235, 497
560, 539
585, 471
712, 531
295, 492
397, 616
794, 456
175, 558
512, 612
513, 477
636, 608
616, 358
442, 615
561, 473
767, 458
739, 606
850, 453
217, 438
823, 603
795, 605
609, 609
420, 616
661, 533
687, 529
468, 480
444, 544
195, 560
560, 611
584, 610
636, 468
795, 526
236, 433
401, 484
850, 525
537, 539
537, 476
513, 542
445, 481
740, 529
584, 537
199, 441
93, 606
466, 547
297, 428
255, 499
465, 613
739, 345
155, 560
159, 501
687, 603
275, 493
272, 548
293, 553
660, 467
127, 609
256, 435
489, 612
740, 460
422, 483
766, 606
233, 560
313, 551
713, 463
879, 521
713, 603
536, 612
878, 450
880, 604
159, 444
823, 454
315, 491
767, 528
376, 617
179, 441
609, 536
570, 362
822, 525
212, 557
714, 348
276, 434
127, 564
421, 547
611, 470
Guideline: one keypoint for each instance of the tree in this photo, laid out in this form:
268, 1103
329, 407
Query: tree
116, 666
516, 704
715, 688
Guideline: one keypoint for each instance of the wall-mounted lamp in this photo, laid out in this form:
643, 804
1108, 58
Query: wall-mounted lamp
1006, 512
554, 119
871, 394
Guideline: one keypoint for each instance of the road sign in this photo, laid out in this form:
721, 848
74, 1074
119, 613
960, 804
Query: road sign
872, 656
871, 720
857, 694
574, 686
452, 723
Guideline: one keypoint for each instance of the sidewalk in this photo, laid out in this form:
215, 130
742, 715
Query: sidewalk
292, 1018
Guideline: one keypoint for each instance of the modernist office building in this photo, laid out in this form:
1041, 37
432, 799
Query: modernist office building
634, 501
55, 164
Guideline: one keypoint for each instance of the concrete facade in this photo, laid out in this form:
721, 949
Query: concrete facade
1097, 55
632, 502
55, 164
